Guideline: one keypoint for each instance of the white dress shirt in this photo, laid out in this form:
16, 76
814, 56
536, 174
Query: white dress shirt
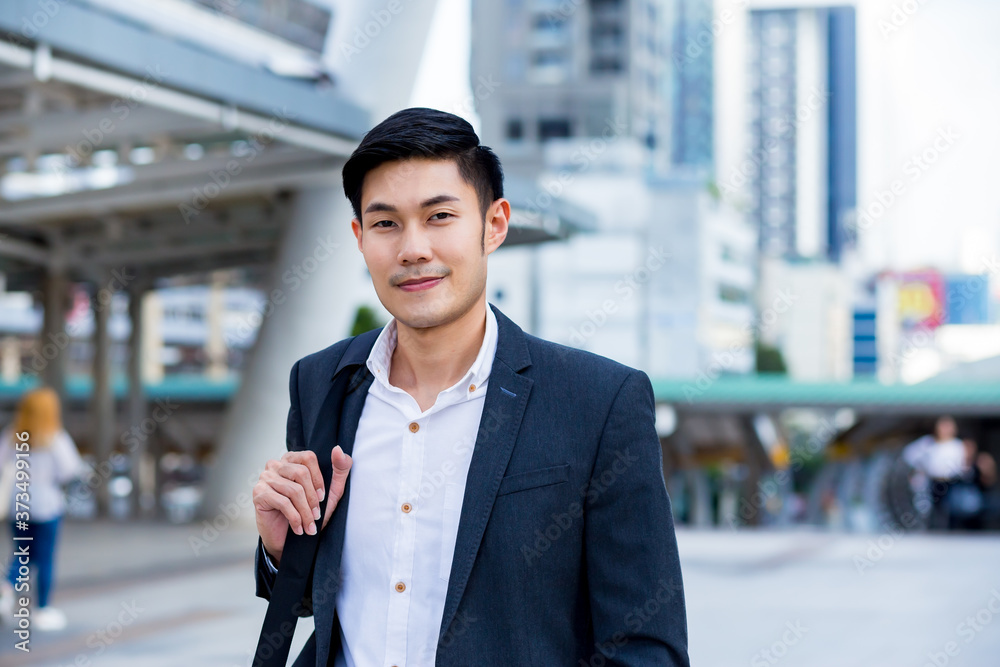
407, 485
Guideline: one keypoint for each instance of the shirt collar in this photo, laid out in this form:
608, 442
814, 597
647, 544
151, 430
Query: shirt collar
380, 358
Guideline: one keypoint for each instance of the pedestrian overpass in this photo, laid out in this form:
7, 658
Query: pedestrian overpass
731, 421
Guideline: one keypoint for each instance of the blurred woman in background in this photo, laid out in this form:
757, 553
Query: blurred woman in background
969, 498
940, 459
53, 460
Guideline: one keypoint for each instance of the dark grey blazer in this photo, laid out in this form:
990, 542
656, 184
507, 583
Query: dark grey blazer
566, 553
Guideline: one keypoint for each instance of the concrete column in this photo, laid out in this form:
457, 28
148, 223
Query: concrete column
10, 359
54, 340
757, 462
102, 398
215, 345
369, 40
729, 500
152, 337
701, 498
319, 278
316, 285
143, 485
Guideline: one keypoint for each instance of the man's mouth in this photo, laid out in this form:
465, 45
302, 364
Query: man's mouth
419, 284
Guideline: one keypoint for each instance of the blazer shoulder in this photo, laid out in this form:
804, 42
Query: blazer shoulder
564, 360
323, 362
321, 365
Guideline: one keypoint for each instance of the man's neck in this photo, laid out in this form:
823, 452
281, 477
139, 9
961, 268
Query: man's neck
427, 361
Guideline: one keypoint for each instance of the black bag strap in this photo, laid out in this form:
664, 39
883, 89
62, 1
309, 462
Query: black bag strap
299, 555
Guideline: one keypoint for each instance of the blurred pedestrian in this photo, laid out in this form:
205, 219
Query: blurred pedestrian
968, 497
36, 503
941, 459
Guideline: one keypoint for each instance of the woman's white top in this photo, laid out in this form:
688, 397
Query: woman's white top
940, 460
48, 469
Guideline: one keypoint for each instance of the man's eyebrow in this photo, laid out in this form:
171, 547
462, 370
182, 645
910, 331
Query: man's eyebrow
380, 206
377, 206
439, 199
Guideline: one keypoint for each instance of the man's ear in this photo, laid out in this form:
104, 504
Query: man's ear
497, 224
356, 228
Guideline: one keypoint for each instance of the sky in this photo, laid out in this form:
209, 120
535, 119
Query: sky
929, 89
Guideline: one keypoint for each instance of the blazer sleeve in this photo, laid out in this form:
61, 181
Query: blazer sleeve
633, 567
264, 576
294, 440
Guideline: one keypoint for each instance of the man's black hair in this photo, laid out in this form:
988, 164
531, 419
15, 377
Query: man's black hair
419, 132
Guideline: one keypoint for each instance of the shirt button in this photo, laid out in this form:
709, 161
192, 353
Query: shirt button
400, 587
407, 507
414, 427
472, 387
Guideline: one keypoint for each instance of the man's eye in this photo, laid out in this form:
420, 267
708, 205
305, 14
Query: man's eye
441, 216
385, 222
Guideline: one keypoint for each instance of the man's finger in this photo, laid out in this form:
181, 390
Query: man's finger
281, 503
300, 474
308, 459
295, 494
341, 466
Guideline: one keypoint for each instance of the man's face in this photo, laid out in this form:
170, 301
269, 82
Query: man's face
422, 237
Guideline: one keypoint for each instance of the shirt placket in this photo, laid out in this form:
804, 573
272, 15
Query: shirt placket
404, 544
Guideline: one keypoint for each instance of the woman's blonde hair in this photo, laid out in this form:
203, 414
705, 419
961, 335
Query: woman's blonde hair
39, 414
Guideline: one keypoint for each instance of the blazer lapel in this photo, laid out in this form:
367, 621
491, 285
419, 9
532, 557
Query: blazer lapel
506, 397
326, 575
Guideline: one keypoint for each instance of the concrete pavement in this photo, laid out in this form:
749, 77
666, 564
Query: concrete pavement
154, 595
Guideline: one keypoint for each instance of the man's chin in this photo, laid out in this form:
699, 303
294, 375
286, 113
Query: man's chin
422, 315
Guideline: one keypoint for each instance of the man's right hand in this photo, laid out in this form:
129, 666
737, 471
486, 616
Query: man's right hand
288, 494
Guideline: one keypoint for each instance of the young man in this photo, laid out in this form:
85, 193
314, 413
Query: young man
495, 498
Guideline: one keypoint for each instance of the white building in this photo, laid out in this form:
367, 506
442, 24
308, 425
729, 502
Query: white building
786, 122
664, 282
572, 69
805, 310
584, 112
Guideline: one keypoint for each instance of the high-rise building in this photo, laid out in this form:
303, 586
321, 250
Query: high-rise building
592, 68
691, 81
842, 138
301, 22
593, 95
803, 150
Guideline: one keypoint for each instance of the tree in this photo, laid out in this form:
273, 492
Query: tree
365, 320
769, 359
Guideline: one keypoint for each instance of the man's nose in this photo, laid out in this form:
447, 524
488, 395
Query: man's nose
416, 246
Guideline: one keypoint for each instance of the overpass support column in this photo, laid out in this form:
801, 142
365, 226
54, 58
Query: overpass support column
316, 284
141, 463
701, 498
102, 398
319, 278
54, 342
